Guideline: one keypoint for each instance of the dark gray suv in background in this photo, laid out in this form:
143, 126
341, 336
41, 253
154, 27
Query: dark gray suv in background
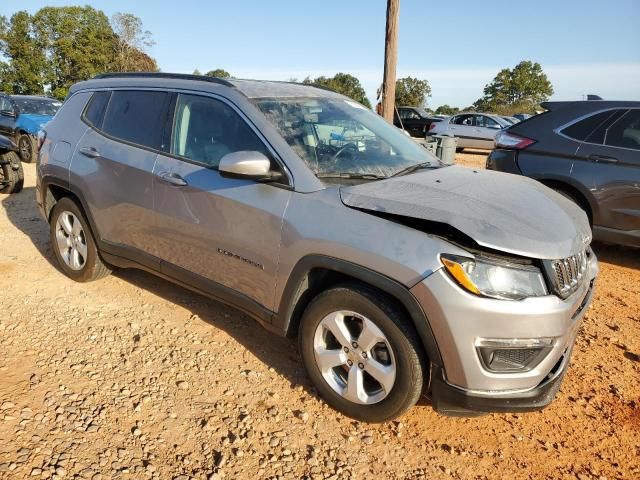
588, 151
307, 211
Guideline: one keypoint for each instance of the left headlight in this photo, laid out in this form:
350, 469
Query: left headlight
494, 278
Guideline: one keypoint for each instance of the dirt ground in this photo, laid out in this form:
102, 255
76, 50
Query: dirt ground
133, 377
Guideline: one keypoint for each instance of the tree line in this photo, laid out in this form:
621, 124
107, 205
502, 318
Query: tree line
54, 48
59, 46
517, 90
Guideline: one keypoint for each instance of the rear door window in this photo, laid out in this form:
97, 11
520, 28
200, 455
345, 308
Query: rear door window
625, 131
137, 117
582, 129
463, 120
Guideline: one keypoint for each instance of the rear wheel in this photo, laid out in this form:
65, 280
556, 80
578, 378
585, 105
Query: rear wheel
73, 244
11, 173
27, 148
361, 353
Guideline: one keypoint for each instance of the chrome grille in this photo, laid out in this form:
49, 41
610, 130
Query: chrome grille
566, 275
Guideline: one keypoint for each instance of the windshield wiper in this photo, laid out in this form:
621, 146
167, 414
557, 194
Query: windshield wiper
413, 168
358, 176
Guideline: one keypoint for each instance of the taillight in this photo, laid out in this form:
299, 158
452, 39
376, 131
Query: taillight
512, 141
432, 126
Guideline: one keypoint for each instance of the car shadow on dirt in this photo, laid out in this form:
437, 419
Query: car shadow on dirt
274, 351
616, 255
22, 211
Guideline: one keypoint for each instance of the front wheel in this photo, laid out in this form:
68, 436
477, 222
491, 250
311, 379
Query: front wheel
361, 353
11, 173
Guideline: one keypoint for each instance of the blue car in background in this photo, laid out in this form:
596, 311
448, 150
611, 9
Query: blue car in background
21, 117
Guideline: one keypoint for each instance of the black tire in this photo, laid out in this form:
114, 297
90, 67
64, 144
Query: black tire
11, 174
459, 149
27, 148
409, 358
94, 268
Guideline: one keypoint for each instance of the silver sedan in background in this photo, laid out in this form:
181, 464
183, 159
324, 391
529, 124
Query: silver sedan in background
472, 130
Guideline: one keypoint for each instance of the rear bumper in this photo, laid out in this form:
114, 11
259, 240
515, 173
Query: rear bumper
503, 161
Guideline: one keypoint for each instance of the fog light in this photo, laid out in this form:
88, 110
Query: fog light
512, 355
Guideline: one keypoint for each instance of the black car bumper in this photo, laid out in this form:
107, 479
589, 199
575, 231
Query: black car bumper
503, 161
453, 401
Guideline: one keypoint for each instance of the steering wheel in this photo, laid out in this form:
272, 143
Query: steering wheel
344, 148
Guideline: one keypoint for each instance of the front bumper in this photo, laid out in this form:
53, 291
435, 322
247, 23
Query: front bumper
453, 401
459, 319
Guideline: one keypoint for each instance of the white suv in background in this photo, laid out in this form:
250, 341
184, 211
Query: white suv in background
472, 130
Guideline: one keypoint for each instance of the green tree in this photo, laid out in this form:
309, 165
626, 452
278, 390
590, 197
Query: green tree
520, 89
131, 44
343, 83
446, 110
218, 72
412, 92
78, 42
24, 73
197, 72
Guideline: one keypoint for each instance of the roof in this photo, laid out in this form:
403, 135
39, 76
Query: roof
591, 103
272, 88
34, 97
249, 88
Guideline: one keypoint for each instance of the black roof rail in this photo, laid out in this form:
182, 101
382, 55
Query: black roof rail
177, 76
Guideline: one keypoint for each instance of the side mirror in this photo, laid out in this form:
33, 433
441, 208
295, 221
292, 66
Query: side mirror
248, 164
9, 113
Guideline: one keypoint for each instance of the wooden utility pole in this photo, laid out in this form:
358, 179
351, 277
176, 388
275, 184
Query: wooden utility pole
390, 60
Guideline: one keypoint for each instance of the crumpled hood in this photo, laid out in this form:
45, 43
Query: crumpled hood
32, 122
498, 210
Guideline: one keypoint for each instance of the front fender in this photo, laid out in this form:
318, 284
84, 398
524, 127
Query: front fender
7, 144
298, 284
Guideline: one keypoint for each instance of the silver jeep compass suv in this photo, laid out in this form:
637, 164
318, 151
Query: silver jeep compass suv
310, 213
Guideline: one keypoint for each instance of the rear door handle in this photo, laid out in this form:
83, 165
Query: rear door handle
172, 179
90, 152
602, 159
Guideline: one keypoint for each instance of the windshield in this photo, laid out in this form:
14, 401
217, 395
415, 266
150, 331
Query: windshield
422, 112
37, 106
341, 137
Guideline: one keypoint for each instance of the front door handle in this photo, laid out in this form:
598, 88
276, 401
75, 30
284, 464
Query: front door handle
172, 179
602, 158
90, 152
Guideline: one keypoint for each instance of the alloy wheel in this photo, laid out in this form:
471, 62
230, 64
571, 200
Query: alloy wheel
354, 357
25, 149
71, 240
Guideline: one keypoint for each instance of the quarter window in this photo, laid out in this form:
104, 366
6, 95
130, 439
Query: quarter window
96, 107
206, 129
137, 117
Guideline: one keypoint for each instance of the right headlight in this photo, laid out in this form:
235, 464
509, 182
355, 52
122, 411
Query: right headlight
494, 278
